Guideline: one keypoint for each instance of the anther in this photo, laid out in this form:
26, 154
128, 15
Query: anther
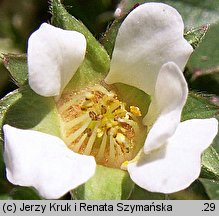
93, 115
97, 123
135, 111
103, 109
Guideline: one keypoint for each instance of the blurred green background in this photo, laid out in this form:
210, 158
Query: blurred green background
18, 18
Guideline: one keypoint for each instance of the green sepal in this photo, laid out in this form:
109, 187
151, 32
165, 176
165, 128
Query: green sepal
7, 190
28, 110
96, 56
195, 191
106, 184
109, 38
139, 193
5, 104
196, 35
198, 106
25, 109
16, 64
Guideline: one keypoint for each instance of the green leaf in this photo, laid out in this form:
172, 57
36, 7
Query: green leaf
194, 13
210, 164
198, 107
96, 57
203, 64
211, 187
106, 184
32, 111
17, 66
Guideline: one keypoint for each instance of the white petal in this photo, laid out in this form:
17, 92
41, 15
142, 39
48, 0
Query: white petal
54, 55
151, 35
43, 161
175, 166
167, 103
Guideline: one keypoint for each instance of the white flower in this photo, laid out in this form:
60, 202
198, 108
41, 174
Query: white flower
150, 54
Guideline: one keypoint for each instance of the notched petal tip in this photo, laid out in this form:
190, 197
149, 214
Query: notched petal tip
177, 164
54, 56
150, 36
44, 162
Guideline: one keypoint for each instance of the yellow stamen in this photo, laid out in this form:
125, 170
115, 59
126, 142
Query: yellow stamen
95, 122
135, 111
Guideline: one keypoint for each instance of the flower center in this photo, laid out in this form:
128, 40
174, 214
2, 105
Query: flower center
95, 122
